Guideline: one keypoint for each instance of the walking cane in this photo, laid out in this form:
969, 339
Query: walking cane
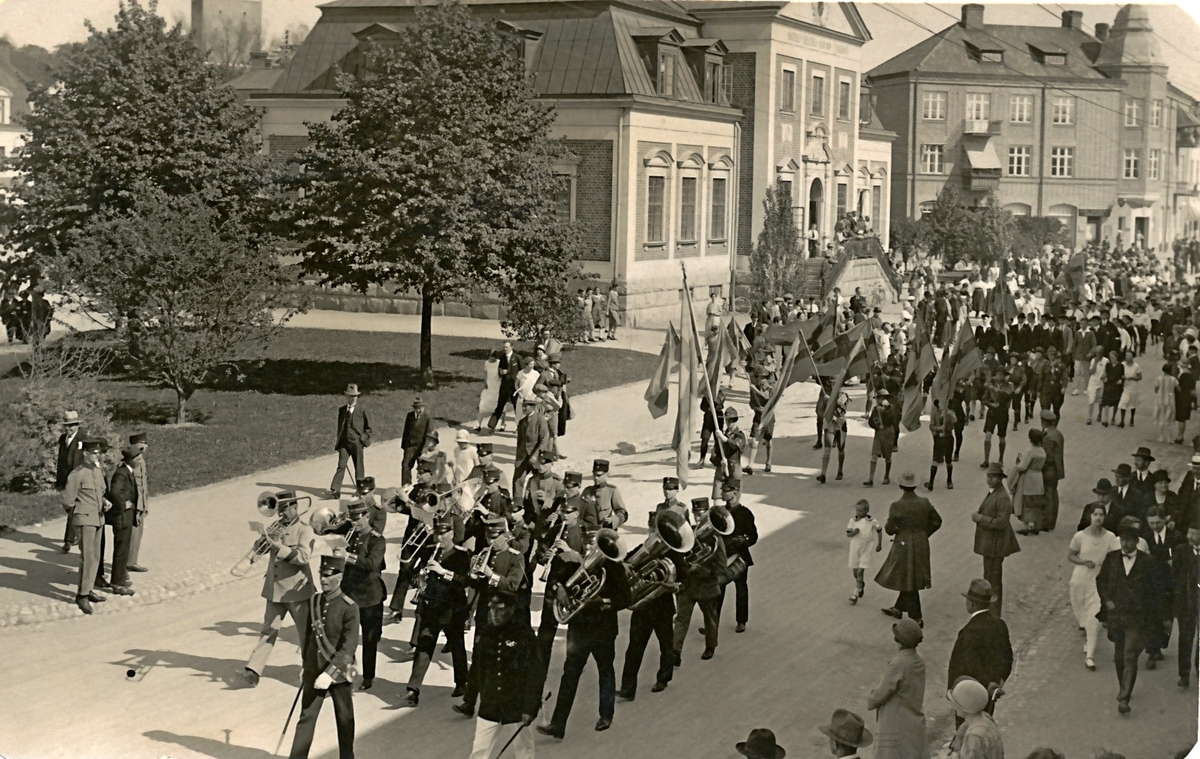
519, 729
291, 711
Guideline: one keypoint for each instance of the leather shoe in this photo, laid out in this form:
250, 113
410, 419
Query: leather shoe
250, 676
466, 711
893, 612
458, 691
702, 631
552, 730
625, 695
1183, 683
122, 590
137, 568
412, 698
366, 684
1123, 707
96, 598
102, 583
740, 629
660, 687
678, 659
708, 654
83, 604
603, 724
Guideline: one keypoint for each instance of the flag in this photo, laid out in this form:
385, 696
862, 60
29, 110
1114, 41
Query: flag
1002, 307
714, 361
785, 334
921, 361
827, 324
657, 396
689, 380
1073, 274
832, 356
738, 347
855, 350
797, 367
957, 365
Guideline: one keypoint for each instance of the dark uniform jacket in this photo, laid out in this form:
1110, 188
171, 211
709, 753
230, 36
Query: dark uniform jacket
69, 457
703, 580
982, 651
1138, 596
603, 506
338, 617
599, 617
506, 673
744, 534
123, 495
363, 579
994, 536
446, 597
911, 519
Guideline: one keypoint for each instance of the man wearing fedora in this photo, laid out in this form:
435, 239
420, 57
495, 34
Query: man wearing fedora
1142, 480
760, 745
847, 734
353, 435
1112, 512
983, 649
1053, 470
994, 536
138, 441
70, 456
1127, 497
123, 495
911, 520
416, 428
84, 500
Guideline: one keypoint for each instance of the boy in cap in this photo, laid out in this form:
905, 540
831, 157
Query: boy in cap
84, 500
884, 419
727, 454
138, 440
603, 505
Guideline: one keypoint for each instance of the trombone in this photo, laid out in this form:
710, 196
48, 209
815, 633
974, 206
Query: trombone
269, 505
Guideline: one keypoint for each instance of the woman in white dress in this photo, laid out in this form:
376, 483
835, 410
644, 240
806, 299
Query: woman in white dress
1095, 384
1164, 403
1130, 397
1087, 551
526, 379
491, 390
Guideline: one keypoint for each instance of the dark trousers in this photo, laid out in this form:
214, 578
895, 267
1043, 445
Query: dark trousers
1161, 638
580, 645
657, 618
1187, 645
311, 700
743, 597
507, 396
1050, 505
347, 450
403, 582
1128, 642
122, 541
427, 638
909, 601
406, 463
546, 632
371, 620
522, 470
993, 572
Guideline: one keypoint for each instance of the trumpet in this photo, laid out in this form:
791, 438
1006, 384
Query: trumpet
720, 522
269, 505
651, 571
587, 582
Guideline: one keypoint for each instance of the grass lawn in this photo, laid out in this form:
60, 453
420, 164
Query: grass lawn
283, 406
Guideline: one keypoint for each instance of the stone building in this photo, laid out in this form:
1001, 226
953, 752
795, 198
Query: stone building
677, 116
1083, 127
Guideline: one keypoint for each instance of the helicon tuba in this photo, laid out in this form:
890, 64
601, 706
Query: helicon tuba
719, 522
587, 581
651, 571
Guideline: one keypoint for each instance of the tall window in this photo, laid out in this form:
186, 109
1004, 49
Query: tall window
1133, 161
712, 82
844, 100
1152, 164
1062, 162
933, 106
717, 228
654, 209
687, 208
1064, 110
817, 94
876, 205
842, 192
931, 159
562, 197
787, 101
666, 75
1156, 113
1020, 158
979, 106
1133, 113
1021, 109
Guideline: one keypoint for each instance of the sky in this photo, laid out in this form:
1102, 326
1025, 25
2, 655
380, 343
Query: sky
52, 22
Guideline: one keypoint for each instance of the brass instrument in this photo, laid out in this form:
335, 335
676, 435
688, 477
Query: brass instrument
720, 522
588, 580
422, 533
651, 571
326, 521
479, 563
269, 505
552, 549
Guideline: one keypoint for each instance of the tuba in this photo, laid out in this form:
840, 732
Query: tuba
651, 570
588, 580
720, 522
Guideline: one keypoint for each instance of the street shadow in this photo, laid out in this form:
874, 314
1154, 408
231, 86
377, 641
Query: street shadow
230, 629
228, 672
136, 411
208, 746
46, 567
286, 376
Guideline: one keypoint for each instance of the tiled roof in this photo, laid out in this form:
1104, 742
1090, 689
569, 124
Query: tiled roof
256, 79
327, 44
946, 53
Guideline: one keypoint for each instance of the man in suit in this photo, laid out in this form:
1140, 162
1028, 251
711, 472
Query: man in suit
70, 456
1161, 540
510, 365
738, 543
1126, 496
1189, 493
911, 519
1185, 561
416, 428
123, 495
85, 502
983, 649
533, 436
362, 582
994, 536
138, 441
353, 436
1054, 469
1142, 479
1130, 584
1113, 514
288, 587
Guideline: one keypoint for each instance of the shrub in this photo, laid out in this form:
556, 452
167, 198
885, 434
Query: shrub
31, 426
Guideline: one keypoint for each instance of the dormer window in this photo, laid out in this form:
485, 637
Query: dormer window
1048, 55
524, 41
1055, 59
666, 75
706, 59
659, 50
985, 55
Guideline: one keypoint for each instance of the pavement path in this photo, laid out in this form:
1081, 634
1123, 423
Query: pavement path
806, 650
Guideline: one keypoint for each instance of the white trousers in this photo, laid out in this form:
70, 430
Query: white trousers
492, 735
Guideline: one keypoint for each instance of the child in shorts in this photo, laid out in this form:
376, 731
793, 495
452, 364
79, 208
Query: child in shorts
863, 530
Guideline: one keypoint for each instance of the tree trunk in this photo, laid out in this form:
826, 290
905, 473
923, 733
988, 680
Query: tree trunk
426, 337
181, 399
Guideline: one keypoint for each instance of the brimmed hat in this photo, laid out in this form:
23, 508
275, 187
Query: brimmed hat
731, 412
882, 393
760, 745
418, 402
462, 436
1161, 475
908, 481
968, 696
1196, 460
129, 454
351, 389
1143, 453
1103, 486
71, 417
1048, 416
996, 468
980, 591
848, 728
1123, 470
908, 633
137, 437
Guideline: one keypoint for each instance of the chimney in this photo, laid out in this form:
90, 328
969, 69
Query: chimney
1072, 20
1101, 31
258, 60
972, 15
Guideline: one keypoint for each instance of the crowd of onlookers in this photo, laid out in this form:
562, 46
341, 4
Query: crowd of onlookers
26, 315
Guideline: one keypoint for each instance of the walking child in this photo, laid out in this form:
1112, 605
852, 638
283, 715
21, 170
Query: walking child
863, 530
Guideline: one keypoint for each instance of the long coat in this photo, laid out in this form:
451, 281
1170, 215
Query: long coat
994, 536
1027, 478
899, 700
912, 519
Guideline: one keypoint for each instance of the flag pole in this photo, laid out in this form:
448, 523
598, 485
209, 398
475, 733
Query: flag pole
712, 399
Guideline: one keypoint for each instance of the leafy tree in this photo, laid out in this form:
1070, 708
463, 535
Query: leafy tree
994, 231
437, 175
1033, 232
186, 289
909, 236
950, 225
134, 105
544, 301
775, 262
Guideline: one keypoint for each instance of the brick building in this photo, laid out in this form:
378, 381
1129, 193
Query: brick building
677, 115
1059, 122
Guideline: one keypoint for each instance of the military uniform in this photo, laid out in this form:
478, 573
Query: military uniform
701, 586
506, 678
288, 589
83, 498
411, 562
737, 544
603, 505
442, 607
335, 619
363, 582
